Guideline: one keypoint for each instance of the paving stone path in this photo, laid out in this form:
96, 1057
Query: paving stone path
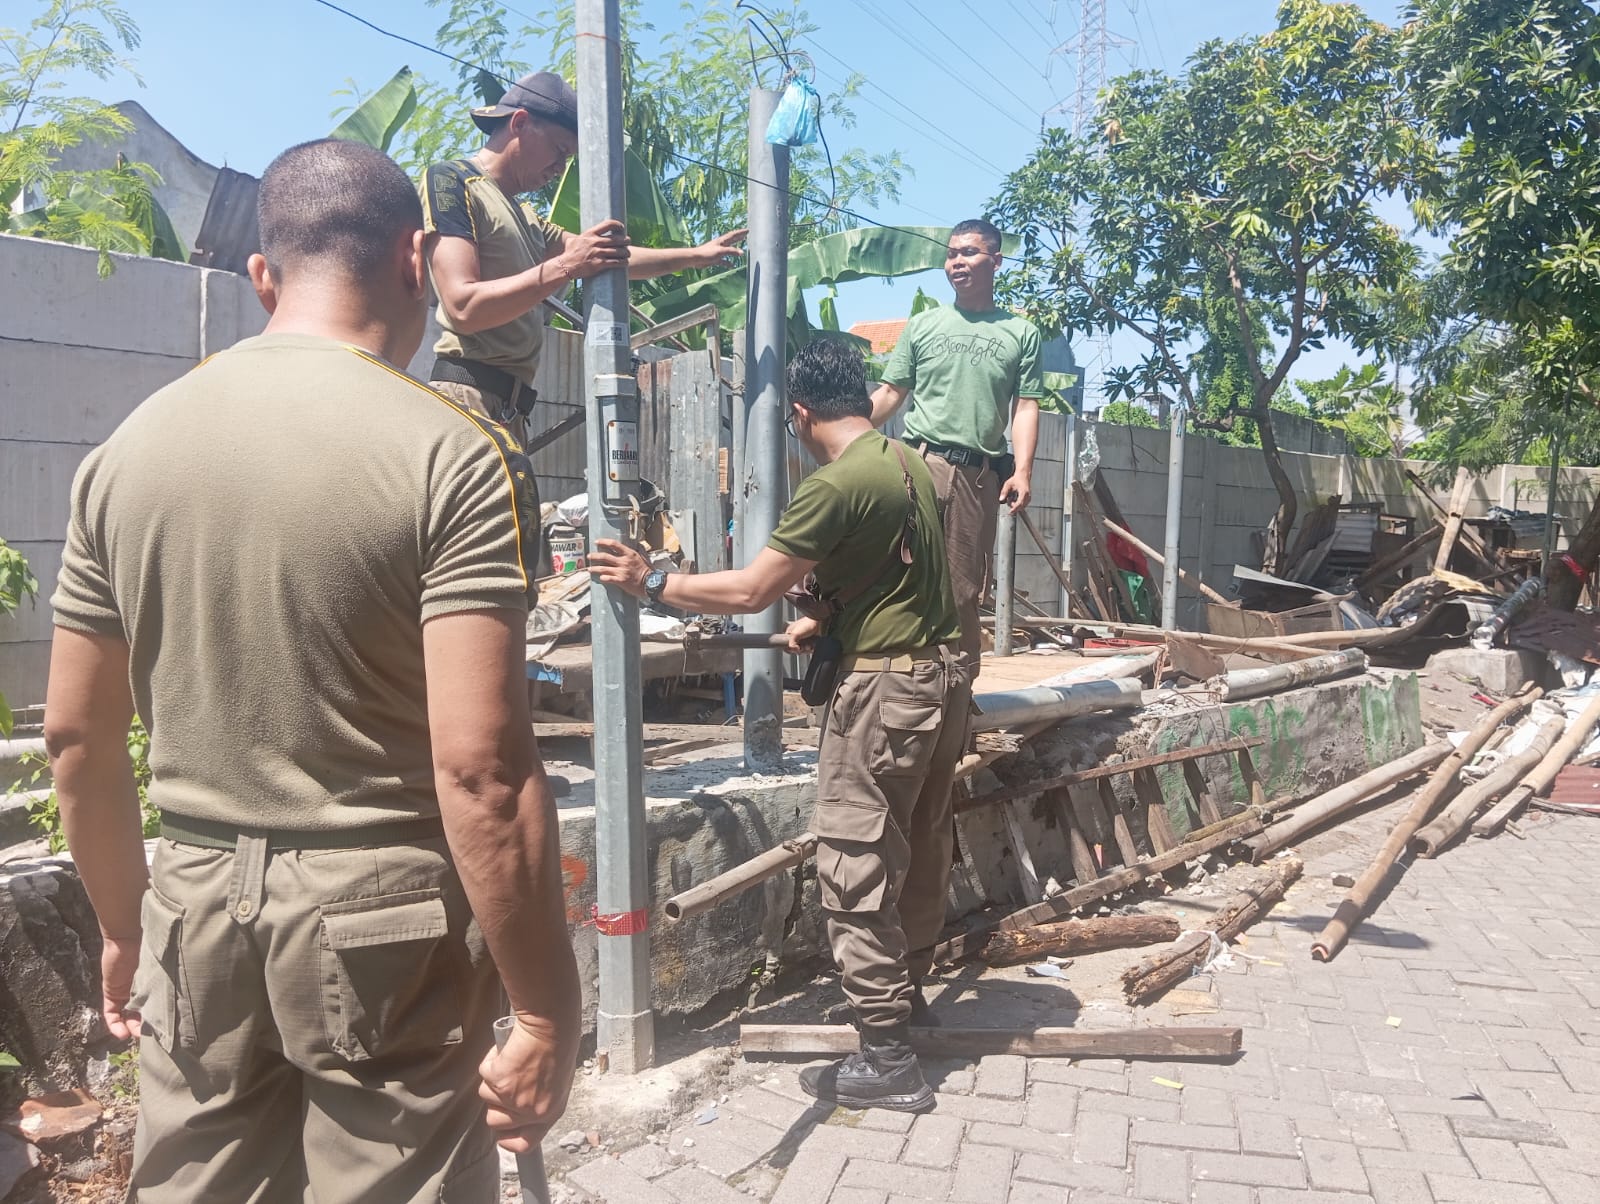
1451, 1053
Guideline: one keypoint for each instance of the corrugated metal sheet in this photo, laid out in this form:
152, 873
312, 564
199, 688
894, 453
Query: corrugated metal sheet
230, 232
1577, 784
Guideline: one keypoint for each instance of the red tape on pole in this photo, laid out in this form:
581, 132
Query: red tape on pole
624, 923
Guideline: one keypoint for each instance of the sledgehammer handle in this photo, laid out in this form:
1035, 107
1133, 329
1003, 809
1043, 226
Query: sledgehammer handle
530, 1166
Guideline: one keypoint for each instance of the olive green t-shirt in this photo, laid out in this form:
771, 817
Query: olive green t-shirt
269, 533
965, 369
848, 516
459, 201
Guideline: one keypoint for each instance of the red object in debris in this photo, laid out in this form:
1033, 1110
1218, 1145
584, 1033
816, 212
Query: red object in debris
1573, 566
1485, 699
1577, 785
1125, 556
58, 1114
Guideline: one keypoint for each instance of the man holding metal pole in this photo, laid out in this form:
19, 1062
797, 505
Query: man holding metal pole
494, 261
865, 526
972, 367
322, 628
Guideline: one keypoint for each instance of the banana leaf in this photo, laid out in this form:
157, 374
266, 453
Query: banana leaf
871, 251
377, 119
652, 221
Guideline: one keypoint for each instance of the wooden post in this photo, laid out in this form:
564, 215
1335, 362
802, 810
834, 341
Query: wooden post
695, 418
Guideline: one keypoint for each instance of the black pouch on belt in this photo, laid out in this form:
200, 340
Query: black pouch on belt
822, 674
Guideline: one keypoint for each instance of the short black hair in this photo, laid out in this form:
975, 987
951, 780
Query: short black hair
829, 378
336, 206
976, 225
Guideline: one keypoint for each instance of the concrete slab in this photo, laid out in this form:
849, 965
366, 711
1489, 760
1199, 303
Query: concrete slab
1500, 671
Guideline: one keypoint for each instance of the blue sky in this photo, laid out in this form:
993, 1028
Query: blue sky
238, 82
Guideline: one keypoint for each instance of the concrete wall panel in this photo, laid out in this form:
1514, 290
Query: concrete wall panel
52, 396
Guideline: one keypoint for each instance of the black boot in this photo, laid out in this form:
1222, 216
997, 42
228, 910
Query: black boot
885, 1074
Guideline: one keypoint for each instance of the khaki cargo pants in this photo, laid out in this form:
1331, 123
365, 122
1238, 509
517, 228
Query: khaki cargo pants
969, 503
890, 746
313, 1025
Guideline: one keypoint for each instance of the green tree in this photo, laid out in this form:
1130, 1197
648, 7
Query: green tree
1511, 88
1360, 402
1234, 202
113, 209
684, 105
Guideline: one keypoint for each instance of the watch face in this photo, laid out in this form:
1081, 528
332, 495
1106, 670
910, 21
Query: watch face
654, 580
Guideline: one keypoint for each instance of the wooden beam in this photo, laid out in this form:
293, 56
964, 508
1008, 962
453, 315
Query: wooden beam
1241, 744
822, 1039
1452, 522
1069, 938
1161, 561
1399, 558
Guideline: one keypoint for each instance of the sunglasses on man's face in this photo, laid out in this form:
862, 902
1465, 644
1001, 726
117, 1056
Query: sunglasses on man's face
788, 423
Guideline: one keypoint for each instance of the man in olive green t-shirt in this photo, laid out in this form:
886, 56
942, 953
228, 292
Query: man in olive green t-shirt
972, 368
866, 523
494, 260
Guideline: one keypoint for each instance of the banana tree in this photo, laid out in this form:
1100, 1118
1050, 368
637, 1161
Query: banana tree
378, 118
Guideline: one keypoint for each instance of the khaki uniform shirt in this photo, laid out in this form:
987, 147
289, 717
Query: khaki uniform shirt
848, 517
459, 201
269, 533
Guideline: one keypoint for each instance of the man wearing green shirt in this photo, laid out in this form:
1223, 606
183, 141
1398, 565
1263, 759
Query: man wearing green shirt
867, 525
971, 367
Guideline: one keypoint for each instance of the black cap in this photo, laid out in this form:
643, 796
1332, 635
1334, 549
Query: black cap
543, 94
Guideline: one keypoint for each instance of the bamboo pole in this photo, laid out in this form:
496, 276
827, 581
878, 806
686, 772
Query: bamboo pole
1187, 578
1435, 836
1544, 774
1343, 799
724, 886
1355, 905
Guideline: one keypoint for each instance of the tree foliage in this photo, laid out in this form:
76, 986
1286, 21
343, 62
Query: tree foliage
1227, 217
112, 209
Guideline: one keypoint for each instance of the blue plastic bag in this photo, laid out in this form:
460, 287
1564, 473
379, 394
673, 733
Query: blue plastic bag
794, 123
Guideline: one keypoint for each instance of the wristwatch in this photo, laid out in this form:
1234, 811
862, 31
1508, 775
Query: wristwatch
654, 581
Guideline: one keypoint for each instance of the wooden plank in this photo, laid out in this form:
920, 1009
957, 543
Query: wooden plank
1468, 536
1096, 827
1083, 866
695, 391
1147, 789
1399, 558
1112, 770
1119, 823
1252, 779
1196, 781
1069, 938
1183, 1042
1032, 890
714, 732
1452, 522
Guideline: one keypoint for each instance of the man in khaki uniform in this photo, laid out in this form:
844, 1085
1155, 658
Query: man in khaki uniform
867, 524
495, 261
321, 625
972, 367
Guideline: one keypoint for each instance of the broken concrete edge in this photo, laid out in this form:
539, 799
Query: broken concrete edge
709, 816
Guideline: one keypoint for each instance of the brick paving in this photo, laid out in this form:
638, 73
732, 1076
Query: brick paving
1450, 1054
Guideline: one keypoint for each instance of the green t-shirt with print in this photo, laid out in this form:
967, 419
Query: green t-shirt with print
848, 517
965, 369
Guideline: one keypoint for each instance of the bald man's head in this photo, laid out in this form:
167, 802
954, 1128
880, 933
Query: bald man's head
336, 208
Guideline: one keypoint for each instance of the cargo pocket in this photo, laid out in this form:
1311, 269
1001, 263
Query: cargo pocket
851, 872
158, 985
910, 734
389, 984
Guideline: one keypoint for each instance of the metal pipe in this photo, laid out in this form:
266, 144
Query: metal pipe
1342, 799
530, 1164
1069, 474
765, 480
1008, 708
741, 878
1005, 574
1169, 579
1252, 683
625, 1024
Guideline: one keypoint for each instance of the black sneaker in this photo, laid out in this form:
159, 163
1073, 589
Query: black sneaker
883, 1075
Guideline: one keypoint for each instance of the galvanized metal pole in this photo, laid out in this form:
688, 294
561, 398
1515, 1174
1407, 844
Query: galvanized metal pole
625, 1023
1169, 578
765, 480
1550, 500
1069, 474
1005, 571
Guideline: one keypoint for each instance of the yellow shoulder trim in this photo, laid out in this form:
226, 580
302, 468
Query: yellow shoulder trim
489, 431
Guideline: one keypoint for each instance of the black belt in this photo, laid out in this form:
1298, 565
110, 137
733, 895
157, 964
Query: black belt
486, 378
962, 457
211, 834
